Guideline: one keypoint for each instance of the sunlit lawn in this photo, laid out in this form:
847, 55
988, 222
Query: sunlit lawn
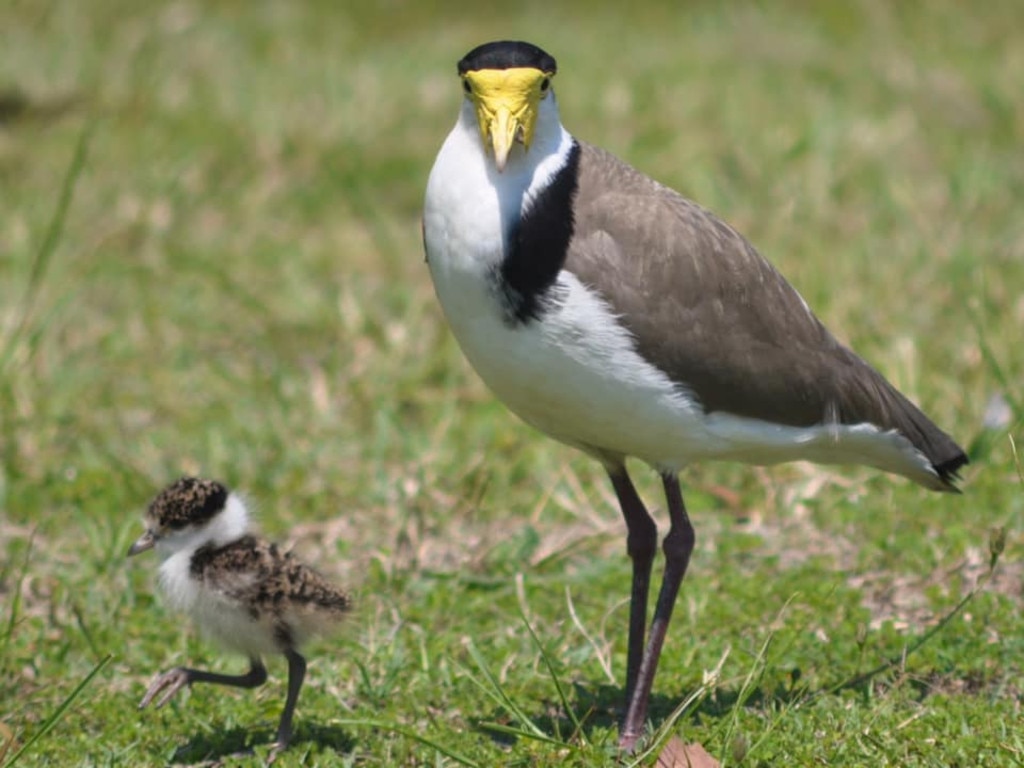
237, 289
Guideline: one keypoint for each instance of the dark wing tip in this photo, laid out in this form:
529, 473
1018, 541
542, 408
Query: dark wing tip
949, 470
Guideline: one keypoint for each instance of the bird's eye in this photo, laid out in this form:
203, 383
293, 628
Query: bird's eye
466, 86
545, 84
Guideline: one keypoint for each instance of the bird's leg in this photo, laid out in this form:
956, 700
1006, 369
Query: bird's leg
296, 674
641, 545
175, 679
678, 546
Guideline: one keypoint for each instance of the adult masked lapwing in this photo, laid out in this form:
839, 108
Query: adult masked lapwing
620, 318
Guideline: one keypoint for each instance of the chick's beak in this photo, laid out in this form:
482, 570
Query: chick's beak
144, 542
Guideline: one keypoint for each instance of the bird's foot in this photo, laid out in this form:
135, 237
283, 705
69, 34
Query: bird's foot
276, 749
173, 681
627, 742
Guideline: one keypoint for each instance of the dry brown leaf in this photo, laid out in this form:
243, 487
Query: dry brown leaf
679, 755
6, 740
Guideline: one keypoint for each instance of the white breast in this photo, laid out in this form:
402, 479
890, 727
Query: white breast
217, 617
575, 375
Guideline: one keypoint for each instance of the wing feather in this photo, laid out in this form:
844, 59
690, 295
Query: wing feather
732, 330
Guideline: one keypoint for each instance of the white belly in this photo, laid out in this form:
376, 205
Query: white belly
576, 376
225, 621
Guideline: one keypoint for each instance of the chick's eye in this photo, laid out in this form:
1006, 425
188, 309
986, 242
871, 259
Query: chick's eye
466, 86
545, 84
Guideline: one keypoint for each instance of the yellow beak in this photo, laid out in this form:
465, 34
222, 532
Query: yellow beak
504, 129
506, 101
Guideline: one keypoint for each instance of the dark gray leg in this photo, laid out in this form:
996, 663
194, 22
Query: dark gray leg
641, 545
678, 546
179, 677
296, 674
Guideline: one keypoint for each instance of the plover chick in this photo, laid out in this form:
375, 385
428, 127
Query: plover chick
240, 589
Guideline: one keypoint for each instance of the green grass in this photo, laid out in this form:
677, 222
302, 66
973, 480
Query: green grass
236, 288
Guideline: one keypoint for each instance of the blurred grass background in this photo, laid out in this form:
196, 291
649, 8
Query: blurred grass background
238, 290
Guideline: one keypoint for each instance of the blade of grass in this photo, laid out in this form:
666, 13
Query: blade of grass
494, 690
410, 734
543, 738
12, 619
44, 254
751, 683
54, 718
562, 698
995, 367
602, 657
1016, 458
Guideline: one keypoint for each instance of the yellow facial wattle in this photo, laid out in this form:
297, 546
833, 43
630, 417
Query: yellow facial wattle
506, 102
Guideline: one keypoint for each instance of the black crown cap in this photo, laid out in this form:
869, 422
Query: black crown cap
507, 54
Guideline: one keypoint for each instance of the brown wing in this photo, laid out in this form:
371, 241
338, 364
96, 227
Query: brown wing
256, 573
730, 329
